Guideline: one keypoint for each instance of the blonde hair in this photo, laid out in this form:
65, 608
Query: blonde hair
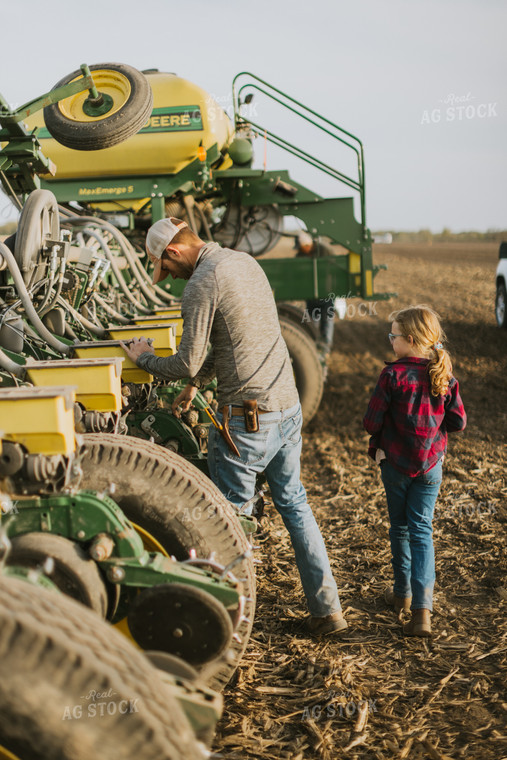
423, 324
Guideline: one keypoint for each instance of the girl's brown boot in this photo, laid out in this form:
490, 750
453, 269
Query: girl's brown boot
419, 625
400, 604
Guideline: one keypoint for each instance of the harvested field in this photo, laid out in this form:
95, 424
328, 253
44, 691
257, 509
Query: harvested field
372, 693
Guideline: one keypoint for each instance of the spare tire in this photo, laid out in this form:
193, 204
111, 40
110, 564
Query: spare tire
130, 101
307, 366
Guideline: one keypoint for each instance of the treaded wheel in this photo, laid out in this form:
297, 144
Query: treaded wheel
38, 222
176, 504
182, 620
307, 366
130, 98
298, 316
75, 574
54, 654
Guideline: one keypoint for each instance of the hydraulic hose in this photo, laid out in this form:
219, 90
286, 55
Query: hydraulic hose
112, 312
69, 332
188, 202
129, 252
10, 366
204, 221
137, 269
116, 271
162, 297
32, 315
13, 306
58, 291
90, 326
64, 211
89, 311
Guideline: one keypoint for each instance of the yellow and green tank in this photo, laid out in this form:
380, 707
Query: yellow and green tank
185, 122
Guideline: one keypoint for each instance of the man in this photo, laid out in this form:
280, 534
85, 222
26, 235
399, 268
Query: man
228, 302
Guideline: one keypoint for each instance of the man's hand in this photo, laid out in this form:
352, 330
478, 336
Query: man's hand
184, 400
136, 347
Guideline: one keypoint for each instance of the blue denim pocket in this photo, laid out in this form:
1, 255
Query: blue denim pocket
252, 447
291, 428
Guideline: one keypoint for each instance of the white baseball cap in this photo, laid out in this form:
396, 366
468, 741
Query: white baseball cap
158, 238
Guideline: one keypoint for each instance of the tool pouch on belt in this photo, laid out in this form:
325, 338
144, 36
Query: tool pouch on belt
251, 416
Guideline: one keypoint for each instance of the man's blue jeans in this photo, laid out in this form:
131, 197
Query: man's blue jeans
411, 503
276, 450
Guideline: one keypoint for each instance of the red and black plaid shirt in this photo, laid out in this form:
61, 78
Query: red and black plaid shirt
406, 421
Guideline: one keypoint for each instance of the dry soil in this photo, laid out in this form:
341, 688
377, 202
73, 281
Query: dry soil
373, 693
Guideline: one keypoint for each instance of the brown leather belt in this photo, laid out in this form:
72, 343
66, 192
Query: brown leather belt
238, 411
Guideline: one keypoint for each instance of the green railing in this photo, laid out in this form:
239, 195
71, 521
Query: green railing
310, 116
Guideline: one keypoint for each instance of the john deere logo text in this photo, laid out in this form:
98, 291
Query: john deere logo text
174, 119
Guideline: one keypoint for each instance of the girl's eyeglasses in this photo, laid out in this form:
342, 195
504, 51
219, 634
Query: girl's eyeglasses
392, 336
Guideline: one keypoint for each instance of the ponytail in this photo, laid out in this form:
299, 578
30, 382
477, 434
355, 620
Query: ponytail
440, 370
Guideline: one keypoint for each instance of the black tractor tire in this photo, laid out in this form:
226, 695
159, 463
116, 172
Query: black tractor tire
307, 366
54, 654
180, 507
501, 305
106, 130
75, 574
300, 318
39, 220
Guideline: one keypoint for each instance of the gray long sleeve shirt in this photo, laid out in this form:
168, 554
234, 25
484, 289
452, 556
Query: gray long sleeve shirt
228, 302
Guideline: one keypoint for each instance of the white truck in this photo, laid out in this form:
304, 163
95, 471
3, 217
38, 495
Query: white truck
501, 287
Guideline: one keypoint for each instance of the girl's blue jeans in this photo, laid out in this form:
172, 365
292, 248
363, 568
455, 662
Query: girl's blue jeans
411, 503
276, 450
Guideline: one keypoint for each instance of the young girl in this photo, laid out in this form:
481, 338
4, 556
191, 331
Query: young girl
415, 404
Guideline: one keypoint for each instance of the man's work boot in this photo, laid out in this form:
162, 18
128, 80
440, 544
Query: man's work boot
400, 603
419, 625
325, 626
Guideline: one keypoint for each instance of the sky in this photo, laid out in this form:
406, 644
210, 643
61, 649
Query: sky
422, 83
